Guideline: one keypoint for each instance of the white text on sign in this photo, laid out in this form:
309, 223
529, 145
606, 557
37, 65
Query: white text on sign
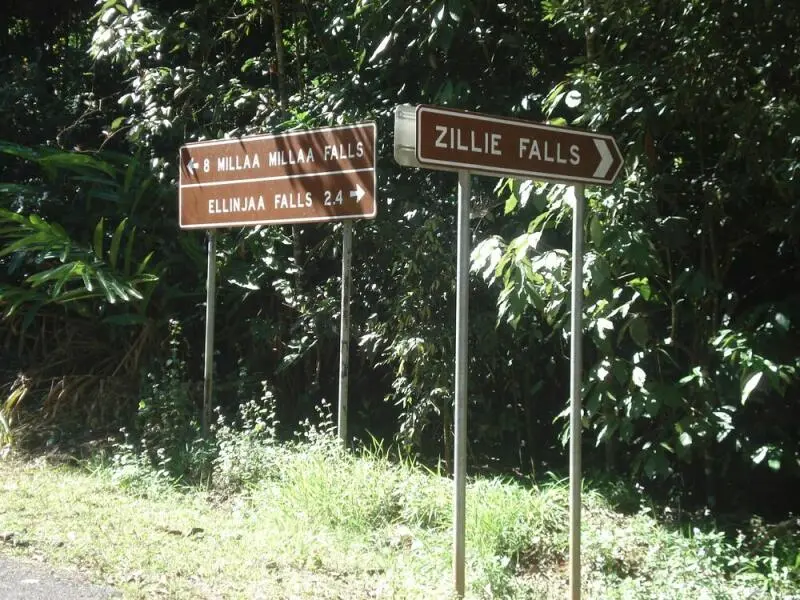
468, 140
288, 200
279, 158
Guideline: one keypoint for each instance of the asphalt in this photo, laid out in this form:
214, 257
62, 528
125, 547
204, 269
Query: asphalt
22, 579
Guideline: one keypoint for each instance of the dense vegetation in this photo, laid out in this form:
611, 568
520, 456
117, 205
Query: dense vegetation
692, 268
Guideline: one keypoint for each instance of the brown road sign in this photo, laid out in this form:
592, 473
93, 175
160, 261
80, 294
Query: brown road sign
459, 140
316, 175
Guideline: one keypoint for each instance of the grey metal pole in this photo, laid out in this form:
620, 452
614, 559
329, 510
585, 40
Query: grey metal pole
208, 369
462, 307
575, 396
344, 338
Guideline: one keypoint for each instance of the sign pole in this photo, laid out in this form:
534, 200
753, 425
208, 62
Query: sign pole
462, 306
344, 338
575, 395
208, 369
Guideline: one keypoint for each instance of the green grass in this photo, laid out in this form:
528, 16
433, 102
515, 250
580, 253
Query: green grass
309, 521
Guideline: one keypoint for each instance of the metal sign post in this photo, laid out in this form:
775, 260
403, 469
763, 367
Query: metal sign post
575, 365
208, 368
461, 370
444, 139
344, 338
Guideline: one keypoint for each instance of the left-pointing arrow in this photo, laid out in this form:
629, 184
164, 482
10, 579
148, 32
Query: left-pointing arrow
191, 166
357, 193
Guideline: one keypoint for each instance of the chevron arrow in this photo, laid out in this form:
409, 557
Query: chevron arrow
606, 158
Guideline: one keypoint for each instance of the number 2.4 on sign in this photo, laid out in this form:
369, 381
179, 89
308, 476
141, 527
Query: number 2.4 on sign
333, 199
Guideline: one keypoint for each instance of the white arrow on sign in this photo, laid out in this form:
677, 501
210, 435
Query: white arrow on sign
606, 158
357, 193
191, 166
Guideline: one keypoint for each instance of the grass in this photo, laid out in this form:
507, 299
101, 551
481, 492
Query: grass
305, 521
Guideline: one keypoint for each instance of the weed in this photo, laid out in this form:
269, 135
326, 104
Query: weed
164, 446
247, 451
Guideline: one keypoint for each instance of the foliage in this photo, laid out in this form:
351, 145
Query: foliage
167, 424
50, 264
691, 302
78, 281
49, 92
690, 342
247, 451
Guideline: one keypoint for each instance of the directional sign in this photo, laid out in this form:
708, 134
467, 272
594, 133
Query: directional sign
315, 175
450, 139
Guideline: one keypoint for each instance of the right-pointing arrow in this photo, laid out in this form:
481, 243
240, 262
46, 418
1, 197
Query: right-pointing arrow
606, 158
357, 193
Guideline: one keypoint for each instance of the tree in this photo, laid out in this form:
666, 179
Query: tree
691, 331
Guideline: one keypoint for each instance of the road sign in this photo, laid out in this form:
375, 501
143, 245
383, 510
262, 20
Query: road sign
452, 140
316, 175
448, 139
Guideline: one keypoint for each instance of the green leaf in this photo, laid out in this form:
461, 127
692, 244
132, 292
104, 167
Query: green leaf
603, 325
454, 8
31, 314
144, 263
76, 161
113, 252
620, 371
20, 189
98, 240
381, 47
759, 455
656, 465
596, 233
525, 190
641, 285
685, 439
511, 203
638, 331
130, 172
750, 385
19, 151
87, 280
117, 289
638, 376
126, 269
105, 287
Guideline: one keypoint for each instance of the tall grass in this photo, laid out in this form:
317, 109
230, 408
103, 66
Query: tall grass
308, 519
